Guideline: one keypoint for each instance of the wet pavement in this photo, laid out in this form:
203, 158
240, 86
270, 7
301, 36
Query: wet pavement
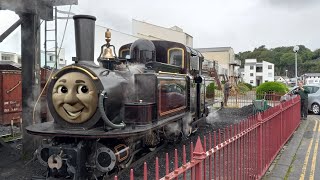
300, 157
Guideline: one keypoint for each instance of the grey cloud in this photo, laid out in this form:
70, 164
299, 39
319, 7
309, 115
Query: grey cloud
107, 16
242, 25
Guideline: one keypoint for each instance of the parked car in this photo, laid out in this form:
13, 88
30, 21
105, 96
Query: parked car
313, 97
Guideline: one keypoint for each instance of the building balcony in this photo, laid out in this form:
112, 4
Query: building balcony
259, 74
235, 63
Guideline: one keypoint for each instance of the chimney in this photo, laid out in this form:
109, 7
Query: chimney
84, 27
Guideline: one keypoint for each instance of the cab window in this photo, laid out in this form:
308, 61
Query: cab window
194, 62
175, 57
124, 53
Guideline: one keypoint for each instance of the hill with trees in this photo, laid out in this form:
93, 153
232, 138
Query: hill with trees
284, 59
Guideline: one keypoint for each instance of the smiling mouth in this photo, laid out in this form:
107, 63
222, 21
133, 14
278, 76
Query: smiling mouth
73, 114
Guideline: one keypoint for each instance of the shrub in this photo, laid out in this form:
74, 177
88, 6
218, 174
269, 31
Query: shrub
248, 85
271, 87
210, 90
286, 87
243, 88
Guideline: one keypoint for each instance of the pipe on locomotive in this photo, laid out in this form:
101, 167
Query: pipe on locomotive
84, 26
102, 96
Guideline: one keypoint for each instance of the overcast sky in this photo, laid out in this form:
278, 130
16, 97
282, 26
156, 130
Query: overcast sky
243, 25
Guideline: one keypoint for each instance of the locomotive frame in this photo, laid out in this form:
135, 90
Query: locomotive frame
137, 105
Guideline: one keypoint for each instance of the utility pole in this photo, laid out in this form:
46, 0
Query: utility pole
296, 49
286, 73
30, 12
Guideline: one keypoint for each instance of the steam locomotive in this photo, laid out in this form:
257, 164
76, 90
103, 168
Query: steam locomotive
104, 115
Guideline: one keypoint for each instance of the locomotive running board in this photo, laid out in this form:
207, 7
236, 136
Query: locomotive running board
52, 129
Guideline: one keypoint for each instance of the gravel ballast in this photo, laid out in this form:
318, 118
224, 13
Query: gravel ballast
12, 168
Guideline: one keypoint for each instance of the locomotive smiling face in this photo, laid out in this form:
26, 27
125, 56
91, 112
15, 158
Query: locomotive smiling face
75, 97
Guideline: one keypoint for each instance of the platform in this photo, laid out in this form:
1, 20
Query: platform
300, 157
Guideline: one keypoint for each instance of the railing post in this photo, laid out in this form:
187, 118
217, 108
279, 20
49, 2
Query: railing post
145, 171
281, 123
131, 174
198, 154
157, 168
259, 144
299, 108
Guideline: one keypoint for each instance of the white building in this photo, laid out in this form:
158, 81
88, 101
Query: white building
16, 58
140, 30
153, 32
9, 56
282, 79
279, 79
311, 78
51, 60
241, 73
256, 73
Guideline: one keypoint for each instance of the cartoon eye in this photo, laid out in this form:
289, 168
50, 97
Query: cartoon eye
62, 89
82, 89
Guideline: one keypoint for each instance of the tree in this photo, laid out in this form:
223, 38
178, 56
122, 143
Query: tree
316, 54
284, 59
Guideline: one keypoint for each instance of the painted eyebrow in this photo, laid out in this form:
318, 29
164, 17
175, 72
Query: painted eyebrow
63, 80
80, 81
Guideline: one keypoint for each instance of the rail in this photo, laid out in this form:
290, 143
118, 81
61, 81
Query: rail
242, 151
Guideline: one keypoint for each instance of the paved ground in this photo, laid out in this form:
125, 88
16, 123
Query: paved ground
300, 159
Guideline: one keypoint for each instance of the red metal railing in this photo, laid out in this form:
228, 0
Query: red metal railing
241, 151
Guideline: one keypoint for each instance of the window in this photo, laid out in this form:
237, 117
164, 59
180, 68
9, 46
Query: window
259, 69
5, 58
194, 63
251, 74
269, 66
269, 74
251, 67
172, 95
51, 58
266, 81
175, 57
251, 81
312, 89
61, 60
124, 53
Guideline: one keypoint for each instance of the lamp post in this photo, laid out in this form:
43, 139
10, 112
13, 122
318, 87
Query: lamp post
286, 73
296, 49
286, 77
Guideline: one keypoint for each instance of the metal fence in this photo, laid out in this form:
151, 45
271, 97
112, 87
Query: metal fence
241, 151
239, 100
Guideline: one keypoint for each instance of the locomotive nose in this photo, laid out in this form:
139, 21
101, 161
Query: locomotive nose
71, 99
